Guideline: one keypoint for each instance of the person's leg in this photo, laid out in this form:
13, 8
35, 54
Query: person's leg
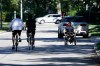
19, 33
13, 37
33, 34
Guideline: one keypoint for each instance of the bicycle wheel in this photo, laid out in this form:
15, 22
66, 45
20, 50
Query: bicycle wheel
16, 42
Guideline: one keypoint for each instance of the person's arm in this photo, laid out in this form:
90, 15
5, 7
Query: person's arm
10, 26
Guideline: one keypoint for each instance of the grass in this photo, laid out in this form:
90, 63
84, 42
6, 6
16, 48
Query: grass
5, 26
94, 29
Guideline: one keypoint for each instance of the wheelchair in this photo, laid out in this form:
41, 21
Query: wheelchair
69, 37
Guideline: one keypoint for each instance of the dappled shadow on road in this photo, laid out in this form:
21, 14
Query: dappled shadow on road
52, 49
49, 39
6, 50
79, 39
5, 38
55, 60
58, 62
48, 31
55, 49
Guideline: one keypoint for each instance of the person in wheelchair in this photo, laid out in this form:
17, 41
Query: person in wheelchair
69, 32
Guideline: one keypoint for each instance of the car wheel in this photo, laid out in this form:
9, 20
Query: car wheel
60, 35
57, 22
42, 21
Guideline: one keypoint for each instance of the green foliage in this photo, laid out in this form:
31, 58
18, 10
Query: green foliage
42, 7
72, 12
94, 29
98, 46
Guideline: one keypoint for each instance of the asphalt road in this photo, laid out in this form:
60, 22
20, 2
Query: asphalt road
48, 51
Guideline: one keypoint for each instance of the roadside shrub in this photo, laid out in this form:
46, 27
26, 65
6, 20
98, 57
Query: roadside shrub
98, 46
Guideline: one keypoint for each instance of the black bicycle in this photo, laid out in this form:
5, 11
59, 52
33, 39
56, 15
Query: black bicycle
70, 38
30, 41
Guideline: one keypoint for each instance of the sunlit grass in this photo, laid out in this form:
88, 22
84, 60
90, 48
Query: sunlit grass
5, 26
94, 30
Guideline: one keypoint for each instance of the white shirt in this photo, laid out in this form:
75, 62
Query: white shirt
16, 24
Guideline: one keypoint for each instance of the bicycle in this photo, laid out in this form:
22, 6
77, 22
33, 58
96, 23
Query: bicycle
30, 41
70, 37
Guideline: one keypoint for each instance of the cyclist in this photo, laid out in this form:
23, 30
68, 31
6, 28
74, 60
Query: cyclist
30, 26
16, 26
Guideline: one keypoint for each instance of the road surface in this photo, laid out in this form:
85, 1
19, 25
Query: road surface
49, 50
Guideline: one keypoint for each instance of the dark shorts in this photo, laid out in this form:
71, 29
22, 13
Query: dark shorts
31, 31
15, 32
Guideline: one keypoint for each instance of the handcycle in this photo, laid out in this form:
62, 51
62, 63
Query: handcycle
30, 40
69, 37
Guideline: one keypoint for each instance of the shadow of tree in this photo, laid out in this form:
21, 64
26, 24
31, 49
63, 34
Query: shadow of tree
53, 49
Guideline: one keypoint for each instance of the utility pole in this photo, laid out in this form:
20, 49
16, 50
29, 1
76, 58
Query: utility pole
21, 9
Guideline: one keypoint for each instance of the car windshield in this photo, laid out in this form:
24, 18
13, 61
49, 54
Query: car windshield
67, 19
78, 19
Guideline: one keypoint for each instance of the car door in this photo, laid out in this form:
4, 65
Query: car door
48, 18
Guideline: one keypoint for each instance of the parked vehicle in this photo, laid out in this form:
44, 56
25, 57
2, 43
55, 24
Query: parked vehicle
79, 24
49, 18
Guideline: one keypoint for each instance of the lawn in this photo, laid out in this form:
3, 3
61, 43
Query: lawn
94, 29
5, 26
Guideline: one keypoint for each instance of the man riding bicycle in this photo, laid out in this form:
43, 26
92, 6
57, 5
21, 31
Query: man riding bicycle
16, 26
30, 27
